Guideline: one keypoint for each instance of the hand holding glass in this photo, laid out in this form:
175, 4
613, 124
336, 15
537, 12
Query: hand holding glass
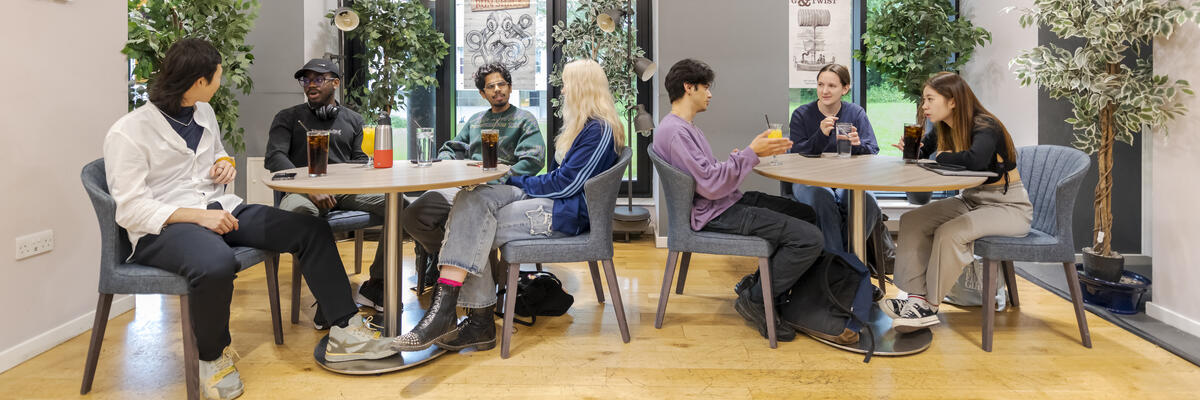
843, 138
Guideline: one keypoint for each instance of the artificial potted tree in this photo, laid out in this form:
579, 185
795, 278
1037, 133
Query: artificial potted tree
402, 51
908, 40
156, 24
1112, 97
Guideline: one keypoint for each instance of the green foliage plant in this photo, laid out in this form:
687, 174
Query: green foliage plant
156, 24
909, 40
579, 37
1111, 99
403, 52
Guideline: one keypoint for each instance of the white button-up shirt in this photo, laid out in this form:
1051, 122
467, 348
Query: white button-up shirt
151, 172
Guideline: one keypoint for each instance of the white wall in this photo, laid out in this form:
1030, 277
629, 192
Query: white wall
66, 87
320, 36
1175, 220
988, 74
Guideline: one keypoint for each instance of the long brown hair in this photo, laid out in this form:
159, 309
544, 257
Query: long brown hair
967, 113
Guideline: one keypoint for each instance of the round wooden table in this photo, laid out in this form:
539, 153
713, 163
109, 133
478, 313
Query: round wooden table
403, 177
858, 174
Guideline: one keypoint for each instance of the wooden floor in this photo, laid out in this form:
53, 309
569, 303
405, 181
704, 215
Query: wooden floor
704, 350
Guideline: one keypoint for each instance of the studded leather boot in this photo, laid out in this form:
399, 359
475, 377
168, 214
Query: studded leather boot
438, 322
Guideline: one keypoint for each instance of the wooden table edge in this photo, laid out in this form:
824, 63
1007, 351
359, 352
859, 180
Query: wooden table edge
283, 187
897, 188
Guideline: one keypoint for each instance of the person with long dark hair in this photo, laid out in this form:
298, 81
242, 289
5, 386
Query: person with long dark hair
812, 132
167, 171
936, 240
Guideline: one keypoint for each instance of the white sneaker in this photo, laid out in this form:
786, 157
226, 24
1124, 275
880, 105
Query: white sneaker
219, 379
357, 341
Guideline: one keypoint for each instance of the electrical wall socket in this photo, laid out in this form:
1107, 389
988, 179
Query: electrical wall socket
35, 243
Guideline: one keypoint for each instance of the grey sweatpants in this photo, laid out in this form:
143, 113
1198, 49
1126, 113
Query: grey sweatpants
938, 239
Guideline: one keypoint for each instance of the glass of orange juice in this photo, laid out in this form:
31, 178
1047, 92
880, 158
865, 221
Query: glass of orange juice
368, 142
775, 132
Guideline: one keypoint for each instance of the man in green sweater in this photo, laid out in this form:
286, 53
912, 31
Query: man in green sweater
521, 146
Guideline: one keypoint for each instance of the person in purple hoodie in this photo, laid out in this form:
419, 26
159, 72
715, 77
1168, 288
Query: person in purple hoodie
720, 207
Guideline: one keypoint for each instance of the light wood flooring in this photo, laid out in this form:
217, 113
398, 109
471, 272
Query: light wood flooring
704, 350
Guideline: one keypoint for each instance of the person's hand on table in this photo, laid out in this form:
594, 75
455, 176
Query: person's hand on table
764, 146
222, 172
323, 201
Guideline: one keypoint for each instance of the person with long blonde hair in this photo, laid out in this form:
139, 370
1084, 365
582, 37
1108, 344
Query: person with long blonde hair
527, 207
936, 240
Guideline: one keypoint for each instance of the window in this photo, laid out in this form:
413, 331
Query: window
528, 93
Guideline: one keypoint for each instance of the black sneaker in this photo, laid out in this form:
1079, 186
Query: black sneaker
319, 322
370, 294
913, 315
746, 282
756, 314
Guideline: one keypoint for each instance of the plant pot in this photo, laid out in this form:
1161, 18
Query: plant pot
1121, 297
918, 198
1101, 267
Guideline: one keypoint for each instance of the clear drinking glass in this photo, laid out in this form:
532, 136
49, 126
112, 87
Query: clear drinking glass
776, 132
318, 152
425, 147
843, 138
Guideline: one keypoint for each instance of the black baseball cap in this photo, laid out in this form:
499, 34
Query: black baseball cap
320, 66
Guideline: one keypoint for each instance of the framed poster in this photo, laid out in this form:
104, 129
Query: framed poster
500, 31
819, 33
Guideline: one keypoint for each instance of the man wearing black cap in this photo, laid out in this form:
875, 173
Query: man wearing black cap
287, 148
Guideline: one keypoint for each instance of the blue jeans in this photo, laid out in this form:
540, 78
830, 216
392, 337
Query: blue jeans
832, 207
485, 218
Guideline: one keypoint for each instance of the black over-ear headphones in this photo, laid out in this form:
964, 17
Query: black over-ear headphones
326, 112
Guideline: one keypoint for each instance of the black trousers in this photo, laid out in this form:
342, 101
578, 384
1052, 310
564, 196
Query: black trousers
206, 259
788, 225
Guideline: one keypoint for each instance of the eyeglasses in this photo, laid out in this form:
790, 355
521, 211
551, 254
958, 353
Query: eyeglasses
496, 86
320, 80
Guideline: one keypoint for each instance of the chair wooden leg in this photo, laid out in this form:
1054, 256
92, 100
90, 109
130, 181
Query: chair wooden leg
764, 272
510, 303
989, 303
683, 266
358, 246
296, 278
614, 291
103, 305
668, 276
1077, 299
539, 267
595, 271
1010, 280
191, 354
272, 267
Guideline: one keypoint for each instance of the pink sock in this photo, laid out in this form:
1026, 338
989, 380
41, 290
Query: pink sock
450, 282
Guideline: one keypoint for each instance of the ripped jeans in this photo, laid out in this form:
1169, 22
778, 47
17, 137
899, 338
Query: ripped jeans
484, 218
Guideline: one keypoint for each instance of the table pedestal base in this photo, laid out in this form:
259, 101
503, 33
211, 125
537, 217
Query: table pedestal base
888, 342
394, 363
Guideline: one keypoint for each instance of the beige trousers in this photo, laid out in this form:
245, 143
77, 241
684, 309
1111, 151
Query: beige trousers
938, 239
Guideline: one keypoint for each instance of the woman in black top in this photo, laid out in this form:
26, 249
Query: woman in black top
936, 240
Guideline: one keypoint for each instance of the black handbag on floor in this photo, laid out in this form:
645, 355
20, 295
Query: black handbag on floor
539, 293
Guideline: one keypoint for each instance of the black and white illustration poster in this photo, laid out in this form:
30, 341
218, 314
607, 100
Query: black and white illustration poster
819, 33
500, 31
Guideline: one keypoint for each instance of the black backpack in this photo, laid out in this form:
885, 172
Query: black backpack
540, 293
835, 294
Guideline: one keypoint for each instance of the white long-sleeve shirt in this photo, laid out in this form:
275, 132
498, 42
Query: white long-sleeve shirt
151, 172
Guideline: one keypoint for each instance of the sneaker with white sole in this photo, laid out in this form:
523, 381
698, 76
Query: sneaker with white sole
913, 315
370, 294
219, 379
357, 341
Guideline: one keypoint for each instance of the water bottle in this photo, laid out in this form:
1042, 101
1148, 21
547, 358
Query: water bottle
383, 143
